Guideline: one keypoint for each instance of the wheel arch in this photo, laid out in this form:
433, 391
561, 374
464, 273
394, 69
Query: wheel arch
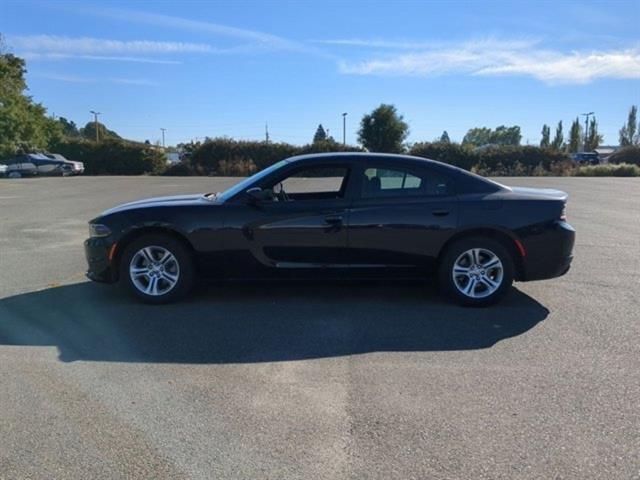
136, 233
507, 239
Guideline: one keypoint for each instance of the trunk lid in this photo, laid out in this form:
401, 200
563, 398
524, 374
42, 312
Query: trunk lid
540, 193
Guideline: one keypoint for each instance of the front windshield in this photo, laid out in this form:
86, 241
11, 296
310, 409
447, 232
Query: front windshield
247, 182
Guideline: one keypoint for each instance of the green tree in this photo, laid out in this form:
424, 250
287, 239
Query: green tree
502, 135
575, 136
89, 132
444, 138
477, 136
594, 139
630, 132
69, 128
558, 139
24, 124
383, 130
320, 135
506, 135
545, 142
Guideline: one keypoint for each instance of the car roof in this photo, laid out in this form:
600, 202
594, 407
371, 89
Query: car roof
360, 156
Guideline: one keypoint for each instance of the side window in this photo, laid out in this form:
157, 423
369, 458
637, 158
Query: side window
314, 183
384, 182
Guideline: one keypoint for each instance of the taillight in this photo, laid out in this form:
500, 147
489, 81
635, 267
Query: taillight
563, 214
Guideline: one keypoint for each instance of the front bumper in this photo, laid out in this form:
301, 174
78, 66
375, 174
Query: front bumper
97, 252
549, 251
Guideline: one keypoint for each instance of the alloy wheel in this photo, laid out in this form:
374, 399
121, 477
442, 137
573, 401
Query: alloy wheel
154, 270
477, 273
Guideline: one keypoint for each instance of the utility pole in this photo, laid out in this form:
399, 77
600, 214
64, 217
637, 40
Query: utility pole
266, 132
344, 128
586, 128
163, 130
95, 124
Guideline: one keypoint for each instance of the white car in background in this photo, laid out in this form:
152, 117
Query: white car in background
3, 170
32, 164
69, 167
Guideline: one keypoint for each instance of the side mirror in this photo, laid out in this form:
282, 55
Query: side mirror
256, 194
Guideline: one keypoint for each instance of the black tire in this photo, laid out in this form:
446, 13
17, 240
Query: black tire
183, 259
451, 286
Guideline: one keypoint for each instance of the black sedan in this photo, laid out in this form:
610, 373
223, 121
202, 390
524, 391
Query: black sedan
334, 215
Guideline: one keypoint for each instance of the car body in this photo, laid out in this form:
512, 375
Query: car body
371, 215
586, 158
67, 167
3, 170
31, 164
21, 166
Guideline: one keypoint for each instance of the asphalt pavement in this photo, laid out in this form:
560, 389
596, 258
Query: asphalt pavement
299, 381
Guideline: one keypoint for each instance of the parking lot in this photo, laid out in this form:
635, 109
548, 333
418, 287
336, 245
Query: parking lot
313, 380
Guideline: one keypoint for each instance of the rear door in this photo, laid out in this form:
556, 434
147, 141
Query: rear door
401, 215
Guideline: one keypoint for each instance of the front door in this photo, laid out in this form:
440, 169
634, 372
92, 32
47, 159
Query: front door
304, 226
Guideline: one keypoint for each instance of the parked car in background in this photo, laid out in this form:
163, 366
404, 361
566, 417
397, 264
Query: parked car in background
21, 166
3, 170
69, 167
586, 158
31, 164
334, 215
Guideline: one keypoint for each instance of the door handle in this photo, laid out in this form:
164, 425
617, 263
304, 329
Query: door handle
440, 213
333, 219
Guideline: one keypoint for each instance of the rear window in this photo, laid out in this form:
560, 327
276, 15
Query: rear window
391, 182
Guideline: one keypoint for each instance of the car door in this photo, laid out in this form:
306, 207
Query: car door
304, 226
401, 215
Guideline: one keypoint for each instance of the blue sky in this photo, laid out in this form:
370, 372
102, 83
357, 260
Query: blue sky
225, 68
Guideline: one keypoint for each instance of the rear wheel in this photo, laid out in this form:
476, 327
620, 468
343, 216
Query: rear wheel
15, 175
157, 269
476, 271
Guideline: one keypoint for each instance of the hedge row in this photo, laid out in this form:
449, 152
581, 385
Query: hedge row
223, 156
629, 155
113, 157
610, 170
497, 160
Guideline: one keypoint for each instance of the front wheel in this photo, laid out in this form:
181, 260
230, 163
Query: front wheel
157, 269
476, 271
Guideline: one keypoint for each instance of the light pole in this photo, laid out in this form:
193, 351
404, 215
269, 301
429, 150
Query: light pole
344, 128
586, 128
163, 130
95, 123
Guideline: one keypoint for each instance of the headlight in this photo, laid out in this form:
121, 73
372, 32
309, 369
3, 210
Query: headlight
98, 230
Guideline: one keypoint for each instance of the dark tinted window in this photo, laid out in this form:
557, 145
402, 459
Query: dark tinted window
395, 182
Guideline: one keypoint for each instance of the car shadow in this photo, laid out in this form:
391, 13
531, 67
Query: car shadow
257, 322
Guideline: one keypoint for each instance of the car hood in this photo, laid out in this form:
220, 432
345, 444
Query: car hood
176, 200
539, 193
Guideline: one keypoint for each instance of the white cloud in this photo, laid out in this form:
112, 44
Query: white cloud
256, 39
64, 78
494, 57
88, 45
425, 45
75, 79
111, 58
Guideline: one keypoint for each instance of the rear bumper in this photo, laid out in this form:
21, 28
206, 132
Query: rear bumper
549, 252
99, 267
